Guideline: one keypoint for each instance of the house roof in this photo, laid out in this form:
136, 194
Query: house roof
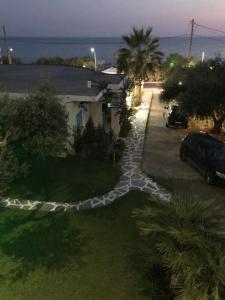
64, 80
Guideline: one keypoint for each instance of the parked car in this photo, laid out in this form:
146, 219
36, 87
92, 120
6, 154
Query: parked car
206, 153
175, 118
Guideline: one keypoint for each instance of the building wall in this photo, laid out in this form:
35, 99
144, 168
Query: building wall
72, 109
115, 121
89, 109
95, 110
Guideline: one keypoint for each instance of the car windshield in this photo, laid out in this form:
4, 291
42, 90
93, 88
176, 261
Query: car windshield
217, 153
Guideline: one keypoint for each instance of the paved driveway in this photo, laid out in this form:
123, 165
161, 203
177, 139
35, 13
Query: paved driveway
161, 151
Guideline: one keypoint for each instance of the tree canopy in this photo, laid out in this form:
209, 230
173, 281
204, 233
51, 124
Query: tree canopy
175, 59
85, 61
31, 127
199, 90
141, 56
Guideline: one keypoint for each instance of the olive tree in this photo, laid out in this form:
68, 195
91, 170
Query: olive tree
199, 90
31, 127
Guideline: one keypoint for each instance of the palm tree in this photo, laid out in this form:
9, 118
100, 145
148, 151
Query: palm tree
189, 236
140, 58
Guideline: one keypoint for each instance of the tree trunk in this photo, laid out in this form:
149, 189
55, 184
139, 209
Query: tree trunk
137, 94
218, 123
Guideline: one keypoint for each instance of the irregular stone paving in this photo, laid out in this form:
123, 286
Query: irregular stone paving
132, 177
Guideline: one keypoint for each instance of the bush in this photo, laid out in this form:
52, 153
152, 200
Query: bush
86, 61
33, 127
11, 167
118, 148
15, 60
93, 143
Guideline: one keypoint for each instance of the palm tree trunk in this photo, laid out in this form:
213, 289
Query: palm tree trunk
218, 123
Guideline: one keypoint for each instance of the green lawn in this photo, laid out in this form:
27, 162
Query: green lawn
82, 256
195, 188
66, 180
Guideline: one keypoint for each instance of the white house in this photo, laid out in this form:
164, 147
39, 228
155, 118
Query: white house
76, 88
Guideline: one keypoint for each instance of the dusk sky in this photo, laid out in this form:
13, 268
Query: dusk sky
107, 17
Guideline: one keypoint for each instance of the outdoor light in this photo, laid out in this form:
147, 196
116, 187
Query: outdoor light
180, 83
9, 53
93, 51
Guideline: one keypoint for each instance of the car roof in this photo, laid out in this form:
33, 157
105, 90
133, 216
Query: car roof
207, 139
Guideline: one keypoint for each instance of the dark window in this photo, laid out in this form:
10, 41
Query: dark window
217, 153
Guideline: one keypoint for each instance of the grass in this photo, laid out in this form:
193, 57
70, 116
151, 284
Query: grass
66, 180
197, 188
84, 256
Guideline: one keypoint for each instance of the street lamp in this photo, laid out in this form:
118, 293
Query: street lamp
93, 51
10, 51
203, 56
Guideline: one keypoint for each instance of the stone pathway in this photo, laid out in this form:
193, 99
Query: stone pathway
132, 177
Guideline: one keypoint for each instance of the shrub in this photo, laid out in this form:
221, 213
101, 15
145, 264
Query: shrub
118, 148
33, 127
93, 143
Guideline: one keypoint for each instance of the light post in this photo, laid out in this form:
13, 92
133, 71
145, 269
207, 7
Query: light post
10, 51
203, 56
93, 51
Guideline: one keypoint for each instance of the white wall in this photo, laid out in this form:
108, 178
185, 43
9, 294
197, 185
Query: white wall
115, 119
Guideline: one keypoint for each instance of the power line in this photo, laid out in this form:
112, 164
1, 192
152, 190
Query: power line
209, 28
211, 38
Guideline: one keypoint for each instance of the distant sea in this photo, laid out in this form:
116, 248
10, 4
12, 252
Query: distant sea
29, 49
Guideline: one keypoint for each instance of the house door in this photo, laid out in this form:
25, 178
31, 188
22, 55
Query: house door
79, 119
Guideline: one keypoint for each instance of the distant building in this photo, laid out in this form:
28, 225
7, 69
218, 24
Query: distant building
78, 90
110, 70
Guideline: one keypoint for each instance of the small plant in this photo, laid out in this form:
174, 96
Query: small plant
118, 148
92, 142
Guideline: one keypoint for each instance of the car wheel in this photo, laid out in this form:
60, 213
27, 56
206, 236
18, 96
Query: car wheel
210, 178
182, 156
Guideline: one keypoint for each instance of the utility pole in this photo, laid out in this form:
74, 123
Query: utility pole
191, 38
1, 58
6, 46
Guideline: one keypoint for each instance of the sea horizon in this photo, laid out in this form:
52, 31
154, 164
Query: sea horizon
29, 49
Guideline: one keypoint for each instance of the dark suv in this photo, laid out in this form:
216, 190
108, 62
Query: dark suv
206, 153
175, 118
